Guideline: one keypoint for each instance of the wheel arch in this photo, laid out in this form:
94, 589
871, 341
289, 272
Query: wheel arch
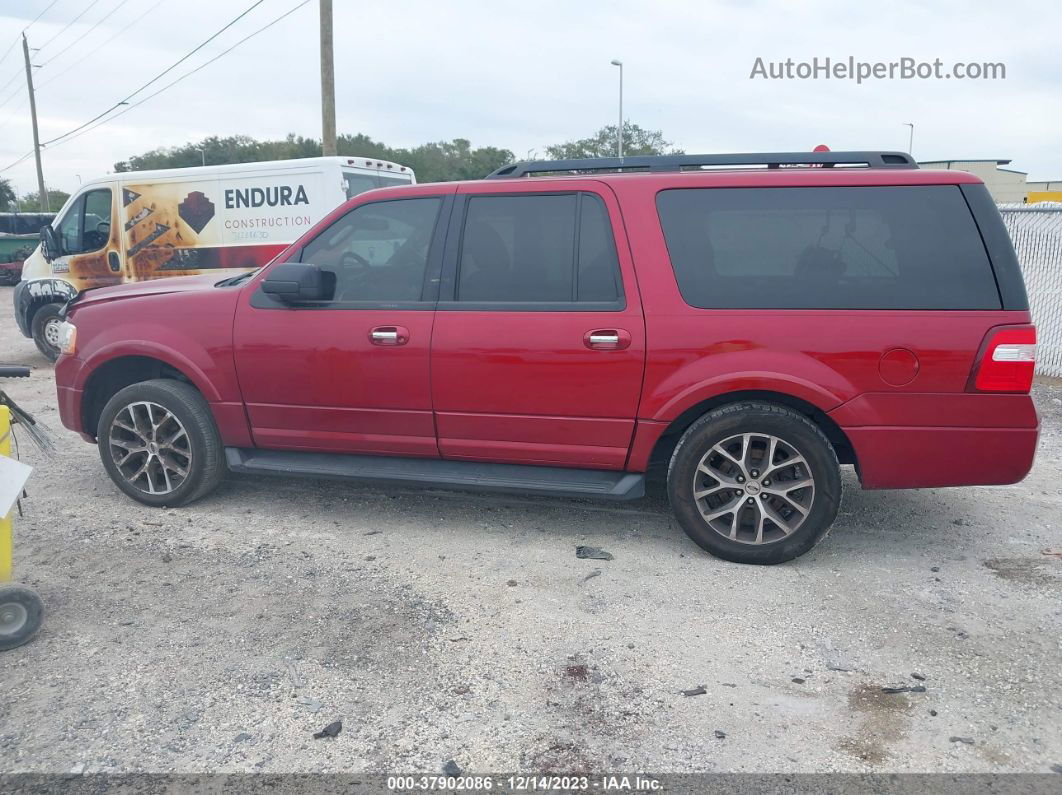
666, 442
115, 374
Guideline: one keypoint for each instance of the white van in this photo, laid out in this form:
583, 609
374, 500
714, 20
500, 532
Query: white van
140, 225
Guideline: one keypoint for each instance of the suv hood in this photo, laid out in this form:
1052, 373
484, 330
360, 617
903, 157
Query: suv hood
172, 284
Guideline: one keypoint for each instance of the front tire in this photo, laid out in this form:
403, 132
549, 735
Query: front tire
45, 330
755, 483
158, 442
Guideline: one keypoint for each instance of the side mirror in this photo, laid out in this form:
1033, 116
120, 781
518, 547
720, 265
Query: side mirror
49, 243
294, 282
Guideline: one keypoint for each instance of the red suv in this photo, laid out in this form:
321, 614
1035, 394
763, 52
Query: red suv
745, 322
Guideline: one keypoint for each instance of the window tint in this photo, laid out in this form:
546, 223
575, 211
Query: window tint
69, 227
538, 248
86, 226
97, 224
378, 252
355, 182
826, 248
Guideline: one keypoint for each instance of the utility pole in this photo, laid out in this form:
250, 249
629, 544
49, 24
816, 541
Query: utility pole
36, 136
328, 83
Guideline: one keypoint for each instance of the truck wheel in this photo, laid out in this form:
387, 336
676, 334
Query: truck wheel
159, 443
45, 329
21, 614
754, 483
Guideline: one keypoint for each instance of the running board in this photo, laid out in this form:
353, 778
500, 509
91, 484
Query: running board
558, 481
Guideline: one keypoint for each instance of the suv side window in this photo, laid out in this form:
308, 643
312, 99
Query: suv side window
378, 251
893, 247
545, 249
87, 224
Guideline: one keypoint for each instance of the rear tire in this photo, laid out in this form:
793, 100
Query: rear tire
158, 442
45, 329
755, 483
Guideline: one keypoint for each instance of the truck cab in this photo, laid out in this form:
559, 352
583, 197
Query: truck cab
141, 225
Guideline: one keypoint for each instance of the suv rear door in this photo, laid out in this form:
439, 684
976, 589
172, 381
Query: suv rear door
538, 349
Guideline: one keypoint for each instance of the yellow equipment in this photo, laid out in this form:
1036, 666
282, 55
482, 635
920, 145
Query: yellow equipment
21, 610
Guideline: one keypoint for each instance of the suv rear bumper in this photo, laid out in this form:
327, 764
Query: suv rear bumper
917, 457
925, 440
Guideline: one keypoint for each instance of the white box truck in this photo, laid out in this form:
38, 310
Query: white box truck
139, 225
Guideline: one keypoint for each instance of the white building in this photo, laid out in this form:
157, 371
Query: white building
1006, 185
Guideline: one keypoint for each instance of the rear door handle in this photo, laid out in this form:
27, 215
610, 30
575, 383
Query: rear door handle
389, 335
607, 339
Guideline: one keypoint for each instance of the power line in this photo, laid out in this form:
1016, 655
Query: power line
187, 74
12, 165
168, 69
99, 123
93, 51
9, 82
30, 25
67, 26
88, 32
100, 46
12, 111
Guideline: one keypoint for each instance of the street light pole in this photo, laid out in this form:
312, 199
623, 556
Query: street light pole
910, 139
202, 154
619, 128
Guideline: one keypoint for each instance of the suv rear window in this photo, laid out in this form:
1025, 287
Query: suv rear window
826, 248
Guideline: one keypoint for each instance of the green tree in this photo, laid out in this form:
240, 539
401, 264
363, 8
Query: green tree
444, 161
432, 162
636, 141
31, 202
7, 196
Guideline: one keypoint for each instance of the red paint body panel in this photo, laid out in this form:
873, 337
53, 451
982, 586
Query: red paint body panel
920, 457
529, 380
524, 387
646, 435
313, 380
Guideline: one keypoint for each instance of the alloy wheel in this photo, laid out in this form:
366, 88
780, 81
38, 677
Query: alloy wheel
754, 488
150, 447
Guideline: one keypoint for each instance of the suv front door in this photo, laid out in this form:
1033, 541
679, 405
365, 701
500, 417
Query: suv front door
539, 342
350, 374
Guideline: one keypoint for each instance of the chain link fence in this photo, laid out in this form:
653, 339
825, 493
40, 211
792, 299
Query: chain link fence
1036, 230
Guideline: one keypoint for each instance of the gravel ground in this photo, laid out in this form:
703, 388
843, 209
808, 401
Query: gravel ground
439, 626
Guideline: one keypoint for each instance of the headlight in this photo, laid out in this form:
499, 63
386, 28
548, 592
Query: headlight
68, 338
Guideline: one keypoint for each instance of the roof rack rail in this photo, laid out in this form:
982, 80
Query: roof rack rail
658, 163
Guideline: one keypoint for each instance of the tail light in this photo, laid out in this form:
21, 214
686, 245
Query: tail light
1006, 362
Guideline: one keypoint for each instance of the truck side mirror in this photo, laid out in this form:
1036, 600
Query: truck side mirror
295, 282
49, 243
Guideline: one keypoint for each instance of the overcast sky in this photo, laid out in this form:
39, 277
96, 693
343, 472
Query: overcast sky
523, 75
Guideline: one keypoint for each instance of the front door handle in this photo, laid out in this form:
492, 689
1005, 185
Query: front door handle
389, 335
607, 339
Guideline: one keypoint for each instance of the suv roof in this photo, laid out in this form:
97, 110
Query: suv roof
748, 169
684, 162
